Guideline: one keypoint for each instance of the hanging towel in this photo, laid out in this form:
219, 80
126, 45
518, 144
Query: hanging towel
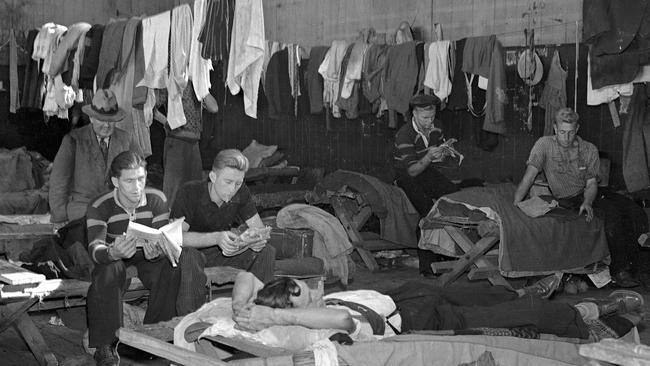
437, 71
330, 69
199, 67
155, 43
14, 99
181, 29
331, 242
247, 52
554, 94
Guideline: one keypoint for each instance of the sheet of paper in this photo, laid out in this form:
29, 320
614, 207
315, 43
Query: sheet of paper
600, 278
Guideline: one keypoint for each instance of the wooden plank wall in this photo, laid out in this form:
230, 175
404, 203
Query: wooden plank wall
311, 23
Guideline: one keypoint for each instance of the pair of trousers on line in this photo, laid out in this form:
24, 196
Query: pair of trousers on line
426, 307
182, 163
624, 221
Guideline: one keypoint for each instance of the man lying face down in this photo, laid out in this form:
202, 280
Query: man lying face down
287, 301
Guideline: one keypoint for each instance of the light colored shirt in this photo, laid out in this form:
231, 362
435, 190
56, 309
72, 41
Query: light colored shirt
567, 169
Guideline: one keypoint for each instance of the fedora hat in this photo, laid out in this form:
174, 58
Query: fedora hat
104, 107
529, 67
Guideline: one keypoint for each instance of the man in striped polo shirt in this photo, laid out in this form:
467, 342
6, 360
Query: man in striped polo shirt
415, 154
571, 166
107, 218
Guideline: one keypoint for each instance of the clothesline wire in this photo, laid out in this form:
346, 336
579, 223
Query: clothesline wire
573, 22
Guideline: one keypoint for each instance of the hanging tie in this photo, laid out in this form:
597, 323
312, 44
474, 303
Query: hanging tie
103, 146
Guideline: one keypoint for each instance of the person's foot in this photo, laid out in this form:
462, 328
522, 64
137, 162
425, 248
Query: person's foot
624, 279
105, 356
545, 287
619, 302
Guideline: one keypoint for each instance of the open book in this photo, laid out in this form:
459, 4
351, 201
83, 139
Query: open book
247, 238
168, 237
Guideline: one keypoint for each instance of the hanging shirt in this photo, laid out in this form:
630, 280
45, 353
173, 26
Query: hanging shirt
247, 52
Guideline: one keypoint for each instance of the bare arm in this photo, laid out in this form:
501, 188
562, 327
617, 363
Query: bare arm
434, 155
591, 190
525, 184
245, 290
257, 317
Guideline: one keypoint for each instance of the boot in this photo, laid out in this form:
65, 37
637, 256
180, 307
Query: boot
105, 356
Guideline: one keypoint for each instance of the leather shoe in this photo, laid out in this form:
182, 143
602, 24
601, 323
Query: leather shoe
624, 279
545, 287
619, 302
105, 356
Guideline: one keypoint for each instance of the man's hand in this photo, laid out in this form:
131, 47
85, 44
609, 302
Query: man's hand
588, 210
226, 241
123, 247
258, 245
436, 154
151, 249
255, 317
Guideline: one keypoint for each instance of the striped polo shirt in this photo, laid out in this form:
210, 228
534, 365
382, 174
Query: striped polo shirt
107, 219
567, 169
411, 144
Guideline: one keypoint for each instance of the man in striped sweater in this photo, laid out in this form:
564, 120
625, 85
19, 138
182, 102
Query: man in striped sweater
108, 217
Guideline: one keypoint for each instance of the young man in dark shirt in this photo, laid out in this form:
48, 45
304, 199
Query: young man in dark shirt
108, 217
212, 207
415, 154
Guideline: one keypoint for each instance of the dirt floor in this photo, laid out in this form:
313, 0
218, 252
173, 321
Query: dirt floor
66, 341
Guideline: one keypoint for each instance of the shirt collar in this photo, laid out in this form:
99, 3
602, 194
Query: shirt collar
143, 201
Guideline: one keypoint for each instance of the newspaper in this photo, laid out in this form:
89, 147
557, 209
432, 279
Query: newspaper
169, 237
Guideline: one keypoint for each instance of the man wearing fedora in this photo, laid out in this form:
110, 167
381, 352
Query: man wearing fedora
415, 154
80, 168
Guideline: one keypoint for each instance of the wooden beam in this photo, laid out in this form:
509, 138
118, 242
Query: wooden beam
343, 215
485, 244
11, 312
165, 350
471, 255
32, 336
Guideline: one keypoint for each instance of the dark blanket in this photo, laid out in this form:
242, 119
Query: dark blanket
529, 246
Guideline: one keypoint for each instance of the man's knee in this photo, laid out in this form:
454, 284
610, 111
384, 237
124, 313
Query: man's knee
192, 257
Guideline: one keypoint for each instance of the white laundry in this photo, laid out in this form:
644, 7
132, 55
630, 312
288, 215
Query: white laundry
247, 52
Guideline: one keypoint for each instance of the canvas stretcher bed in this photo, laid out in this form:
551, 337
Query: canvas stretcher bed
432, 348
468, 225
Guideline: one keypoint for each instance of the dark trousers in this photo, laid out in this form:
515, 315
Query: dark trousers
624, 221
182, 163
109, 282
261, 264
421, 190
426, 307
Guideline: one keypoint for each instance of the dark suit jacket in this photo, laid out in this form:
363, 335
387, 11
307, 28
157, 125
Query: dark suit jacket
79, 173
